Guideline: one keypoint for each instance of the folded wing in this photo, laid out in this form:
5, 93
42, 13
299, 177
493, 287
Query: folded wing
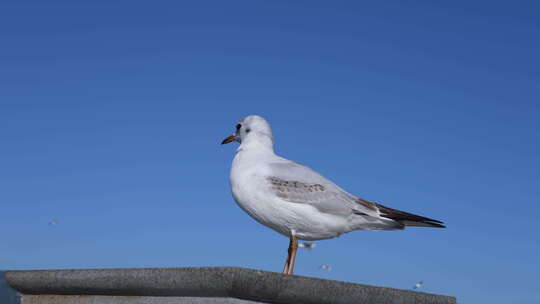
296, 183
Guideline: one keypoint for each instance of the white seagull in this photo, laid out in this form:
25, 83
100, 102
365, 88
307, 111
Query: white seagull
295, 200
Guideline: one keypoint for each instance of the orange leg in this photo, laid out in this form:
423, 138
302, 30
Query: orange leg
294, 242
286, 267
287, 261
291, 257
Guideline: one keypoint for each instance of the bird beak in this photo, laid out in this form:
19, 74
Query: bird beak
229, 139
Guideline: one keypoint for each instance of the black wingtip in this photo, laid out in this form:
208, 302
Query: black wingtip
409, 219
420, 223
437, 225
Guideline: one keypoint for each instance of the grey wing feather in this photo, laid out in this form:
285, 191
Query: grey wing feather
297, 183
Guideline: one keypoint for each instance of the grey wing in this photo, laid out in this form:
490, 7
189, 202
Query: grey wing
297, 183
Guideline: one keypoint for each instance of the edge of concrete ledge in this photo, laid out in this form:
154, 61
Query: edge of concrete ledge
233, 282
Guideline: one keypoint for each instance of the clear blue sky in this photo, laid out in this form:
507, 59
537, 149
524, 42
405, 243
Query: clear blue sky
111, 116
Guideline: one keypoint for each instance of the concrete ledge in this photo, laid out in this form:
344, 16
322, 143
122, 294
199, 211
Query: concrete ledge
51, 299
199, 285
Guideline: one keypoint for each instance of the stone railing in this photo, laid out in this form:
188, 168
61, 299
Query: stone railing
223, 285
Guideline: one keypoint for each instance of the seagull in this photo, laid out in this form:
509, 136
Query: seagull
307, 245
325, 267
295, 200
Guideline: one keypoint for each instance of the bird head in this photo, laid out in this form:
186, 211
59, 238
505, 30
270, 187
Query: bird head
252, 127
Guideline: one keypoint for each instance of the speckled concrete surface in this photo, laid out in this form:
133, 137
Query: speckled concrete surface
163, 284
56, 299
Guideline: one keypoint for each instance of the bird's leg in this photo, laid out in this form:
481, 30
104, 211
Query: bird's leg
292, 242
291, 257
294, 246
288, 260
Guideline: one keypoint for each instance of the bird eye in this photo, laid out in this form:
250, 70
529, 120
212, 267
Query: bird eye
238, 126
248, 130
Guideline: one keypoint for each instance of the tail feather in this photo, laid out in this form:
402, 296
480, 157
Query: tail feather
408, 219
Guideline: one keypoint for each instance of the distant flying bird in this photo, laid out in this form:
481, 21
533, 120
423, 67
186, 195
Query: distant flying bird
53, 223
325, 267
307, 245
295, 200
418, 285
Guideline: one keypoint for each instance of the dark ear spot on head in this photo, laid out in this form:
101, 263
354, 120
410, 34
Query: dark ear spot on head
248, 130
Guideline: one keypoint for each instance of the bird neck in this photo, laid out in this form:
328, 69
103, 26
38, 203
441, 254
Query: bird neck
262, 144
